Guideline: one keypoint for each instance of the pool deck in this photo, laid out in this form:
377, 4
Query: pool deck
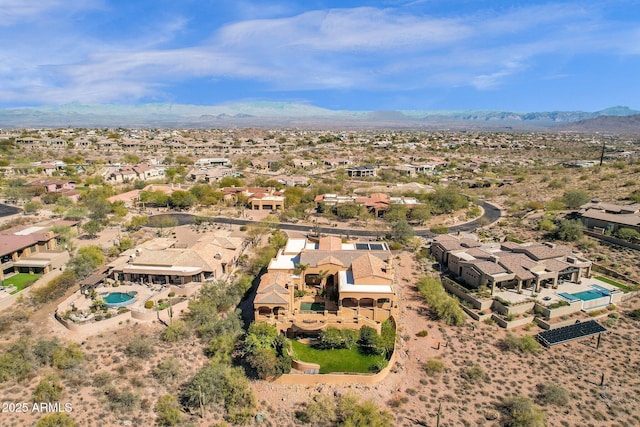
552, 294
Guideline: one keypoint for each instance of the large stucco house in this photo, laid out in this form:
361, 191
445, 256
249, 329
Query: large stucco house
316, 283
509, 265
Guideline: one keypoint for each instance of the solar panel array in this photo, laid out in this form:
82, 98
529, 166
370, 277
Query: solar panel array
570, 333
370, 246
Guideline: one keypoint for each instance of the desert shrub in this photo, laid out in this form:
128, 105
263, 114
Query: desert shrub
148, 304
553, 394
520, 411
168, 411
219, 385
474, 374
321, 411
101, 379
122, 401
175, 332
627, 234
423, 333
445, 306
439, 229
167, 370
49, 389
68, 357
56, 420
55, 288
140, 347
43, 351
434, 366
353, 413
524, 344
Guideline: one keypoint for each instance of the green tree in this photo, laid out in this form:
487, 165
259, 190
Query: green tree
444, 306
396, 213
369, 341
348, 210
420, 214
76, 214
137, 222
573, 199
278, 239
92, 228
99, 208
569, 230
180, 199
401, 231
230, 181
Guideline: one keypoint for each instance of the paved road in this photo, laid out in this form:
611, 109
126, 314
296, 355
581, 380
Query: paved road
491, 214
6, 210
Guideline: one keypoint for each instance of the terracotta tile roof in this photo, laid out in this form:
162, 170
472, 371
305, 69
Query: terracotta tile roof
330, 243
369, 266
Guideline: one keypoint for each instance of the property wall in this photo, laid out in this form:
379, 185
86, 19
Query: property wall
597, 268
480, 304
513, 323
612, 239
566, 310
306, 367
548, 326
512, 309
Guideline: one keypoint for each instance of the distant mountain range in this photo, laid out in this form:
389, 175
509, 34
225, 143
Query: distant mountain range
279, 114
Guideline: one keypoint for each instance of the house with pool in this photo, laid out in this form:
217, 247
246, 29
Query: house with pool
315, 283
161, 262
509, 265
519, 276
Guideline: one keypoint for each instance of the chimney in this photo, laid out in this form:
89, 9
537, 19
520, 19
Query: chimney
494, 258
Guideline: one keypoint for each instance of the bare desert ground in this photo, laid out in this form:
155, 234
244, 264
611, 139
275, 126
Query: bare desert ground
409, 392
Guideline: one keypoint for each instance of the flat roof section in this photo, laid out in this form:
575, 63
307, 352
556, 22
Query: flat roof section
570, 333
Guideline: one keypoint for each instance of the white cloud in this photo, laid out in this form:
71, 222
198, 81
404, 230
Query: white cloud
25, 11
359, 48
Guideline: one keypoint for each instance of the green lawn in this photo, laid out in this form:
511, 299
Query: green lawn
625, 288
21, 281
341, 360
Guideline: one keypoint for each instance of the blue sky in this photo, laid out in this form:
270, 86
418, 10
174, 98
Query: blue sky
351, 55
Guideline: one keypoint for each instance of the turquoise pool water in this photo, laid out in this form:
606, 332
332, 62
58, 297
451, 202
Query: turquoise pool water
588, 295
313, 306
118, 299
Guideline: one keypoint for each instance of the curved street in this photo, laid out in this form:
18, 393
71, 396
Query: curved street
491, 214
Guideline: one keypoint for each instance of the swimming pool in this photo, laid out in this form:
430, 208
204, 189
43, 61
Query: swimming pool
119, 299
590, 294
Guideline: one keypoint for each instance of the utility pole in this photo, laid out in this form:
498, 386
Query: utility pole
602, 153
